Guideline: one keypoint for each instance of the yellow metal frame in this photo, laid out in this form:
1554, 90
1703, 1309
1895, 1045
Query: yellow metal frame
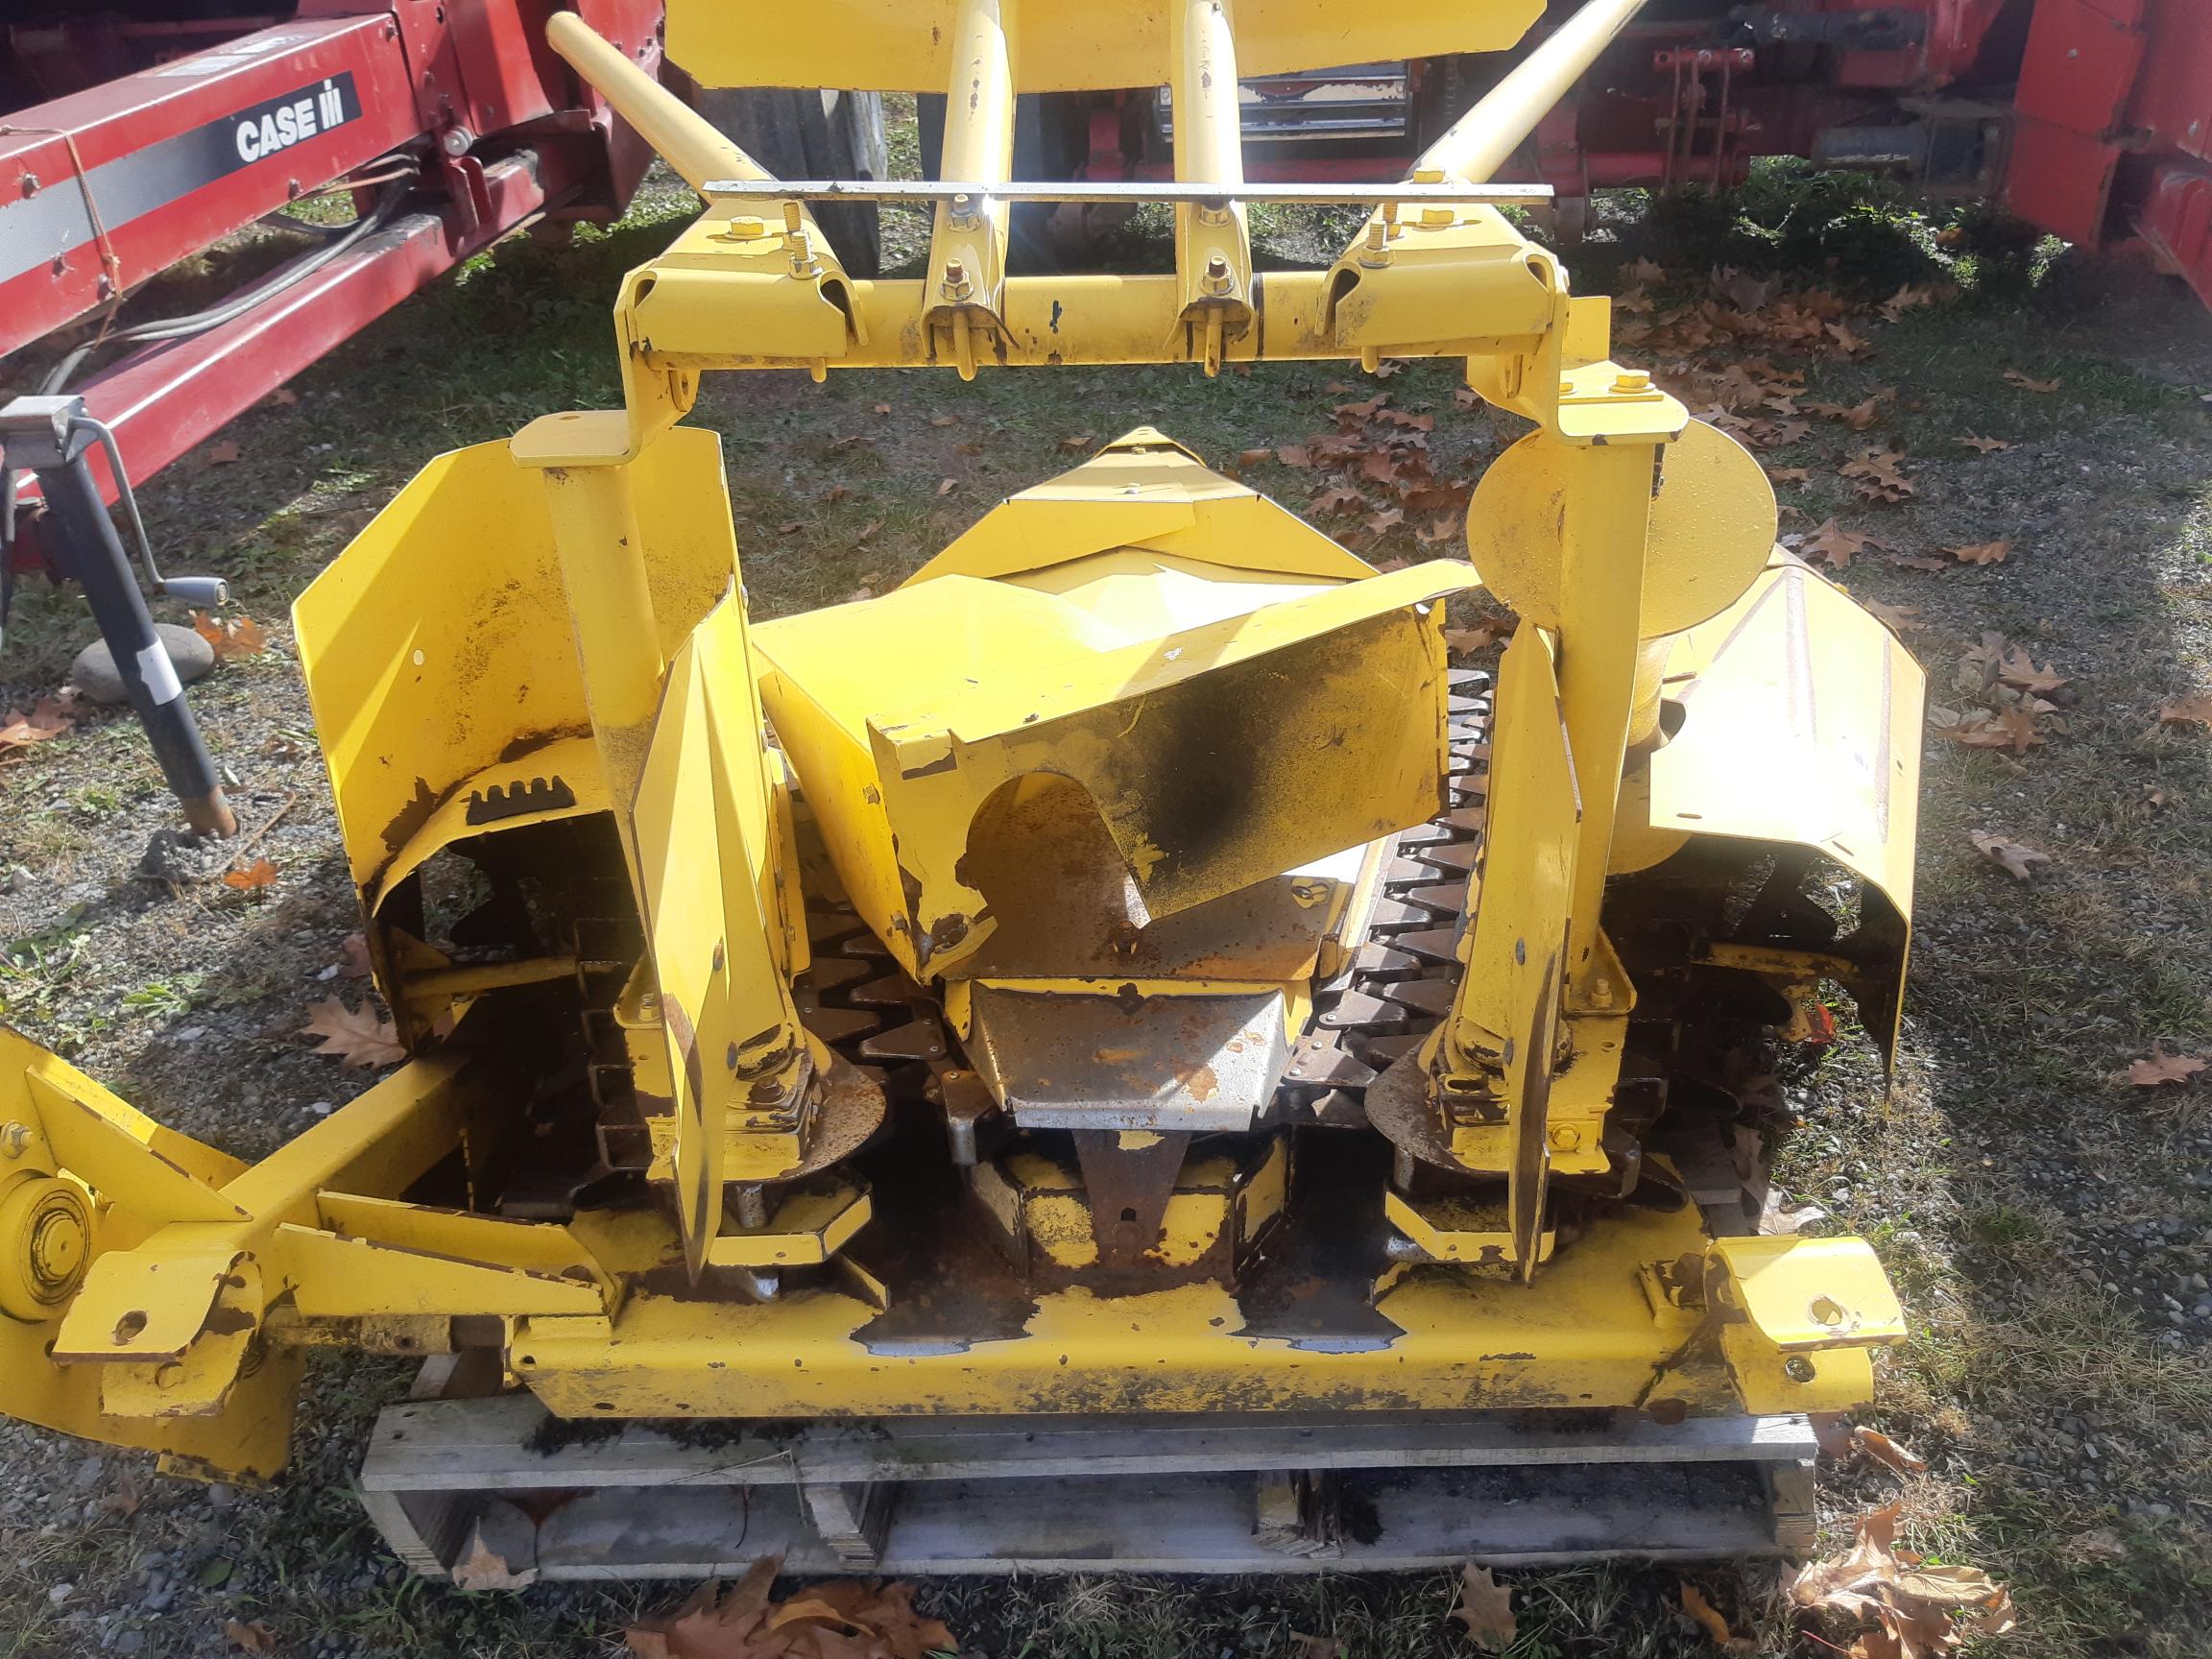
157, 1291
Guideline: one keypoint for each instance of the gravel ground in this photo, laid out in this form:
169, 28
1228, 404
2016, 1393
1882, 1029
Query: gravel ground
2050, 1226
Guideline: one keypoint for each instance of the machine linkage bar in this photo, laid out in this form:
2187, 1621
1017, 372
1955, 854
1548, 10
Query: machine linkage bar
1317, 193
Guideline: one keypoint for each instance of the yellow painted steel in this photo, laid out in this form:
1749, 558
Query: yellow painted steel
909, 45
554, 630
968, 236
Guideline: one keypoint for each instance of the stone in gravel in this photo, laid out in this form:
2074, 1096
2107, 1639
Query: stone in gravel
129, 1641
93, 673
179, 856
220, 1495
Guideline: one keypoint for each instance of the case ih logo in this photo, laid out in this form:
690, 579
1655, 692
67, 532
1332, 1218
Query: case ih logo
281, 123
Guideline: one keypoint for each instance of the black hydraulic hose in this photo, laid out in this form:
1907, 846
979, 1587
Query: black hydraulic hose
285, 276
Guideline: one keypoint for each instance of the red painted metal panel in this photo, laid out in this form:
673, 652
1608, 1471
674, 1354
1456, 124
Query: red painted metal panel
175, 158
2060, 180
2174, 100
2080, 65
164, 399
2177, 220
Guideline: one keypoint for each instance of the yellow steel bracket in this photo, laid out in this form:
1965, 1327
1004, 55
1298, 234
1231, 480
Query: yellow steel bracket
968, 236
158, 1262
796, 296
1800, 1318
1213, 238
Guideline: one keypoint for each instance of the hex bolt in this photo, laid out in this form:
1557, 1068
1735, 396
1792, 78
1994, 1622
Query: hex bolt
1633, 380
29, 184
13, 1139
957, 285
1797, 1368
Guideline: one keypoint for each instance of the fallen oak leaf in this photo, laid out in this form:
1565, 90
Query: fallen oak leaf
353, 1037
944, 420
2019, 860
2162, 1067
2027, 383
1339, 498
1296, 455
240, 637
1919, 562
223, 454
1834, 543
2191, 711
947, 486
2018, 670
1980, 552
47, 720
1252, 457
255, 876
1984, 446
1387, 520
253, 1638
1898, 618
1079, 441
1486, 1607
1888, 1453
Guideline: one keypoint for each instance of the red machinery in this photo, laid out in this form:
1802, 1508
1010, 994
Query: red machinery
134, 138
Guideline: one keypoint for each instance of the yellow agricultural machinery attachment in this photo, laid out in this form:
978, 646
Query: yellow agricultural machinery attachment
1119, 1017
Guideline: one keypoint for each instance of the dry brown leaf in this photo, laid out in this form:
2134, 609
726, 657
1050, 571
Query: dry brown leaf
1296, 455
222, 454
1834, 543
1917, 1612
353, 957
1465, 398
121, 1503
2191, 711
2164, 1068
282, 397
257, 875
353, 1037
1486, 1607
867, 530
1385, 520
2027, 383
844, 1619
837, 492
1079, 441
944, 420
1980, 552
1252, 457
1305, 1647
1436, 530
1339, 498
946, 486
47, 720
1985, 445
1897, 617
1790, 474
1849, 342
253, 1638
2019, 859
2013, 729
483, 1568
1644, 271
1858, 416
882, 408
790, 527
1879, 1446
241, 637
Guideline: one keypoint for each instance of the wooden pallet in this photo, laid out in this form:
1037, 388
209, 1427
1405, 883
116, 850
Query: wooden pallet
449, 1480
